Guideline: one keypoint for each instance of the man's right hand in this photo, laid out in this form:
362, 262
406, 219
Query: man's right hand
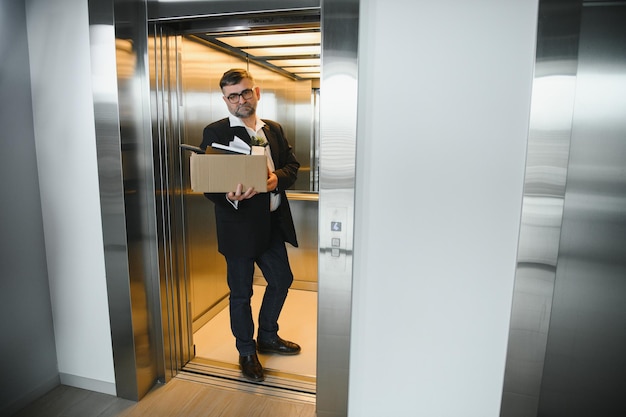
239, 195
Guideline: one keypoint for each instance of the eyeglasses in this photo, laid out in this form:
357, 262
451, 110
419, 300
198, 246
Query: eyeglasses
246, 94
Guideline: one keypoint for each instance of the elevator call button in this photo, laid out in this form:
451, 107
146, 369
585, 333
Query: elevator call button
333, 242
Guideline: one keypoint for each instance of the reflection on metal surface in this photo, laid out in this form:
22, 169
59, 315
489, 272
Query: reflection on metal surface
336, 202
126, 190
301, 196
542, 210
584, 364
567, 338
163, 52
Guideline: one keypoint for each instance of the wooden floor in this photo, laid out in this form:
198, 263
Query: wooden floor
177, 398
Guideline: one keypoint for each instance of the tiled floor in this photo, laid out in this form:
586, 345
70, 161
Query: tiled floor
298, 323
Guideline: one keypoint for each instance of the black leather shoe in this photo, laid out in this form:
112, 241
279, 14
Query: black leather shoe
251, 367
278, 345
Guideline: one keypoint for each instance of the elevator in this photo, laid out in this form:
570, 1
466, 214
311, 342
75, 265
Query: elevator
187, 58
168, 64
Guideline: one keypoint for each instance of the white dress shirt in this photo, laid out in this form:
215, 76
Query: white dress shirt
258, 132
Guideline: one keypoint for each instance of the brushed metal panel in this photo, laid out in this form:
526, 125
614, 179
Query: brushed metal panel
140, 203
302, 137
584, 371
102, 40
163, 52
338, 88
303, 259
567, 334
542, 210
127, 191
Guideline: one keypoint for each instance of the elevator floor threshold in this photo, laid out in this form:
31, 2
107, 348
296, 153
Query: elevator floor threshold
277, 384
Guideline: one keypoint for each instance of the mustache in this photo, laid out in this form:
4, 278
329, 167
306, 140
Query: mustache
244, 110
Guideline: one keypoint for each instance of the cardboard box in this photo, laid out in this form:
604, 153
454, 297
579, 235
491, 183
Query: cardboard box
220, 173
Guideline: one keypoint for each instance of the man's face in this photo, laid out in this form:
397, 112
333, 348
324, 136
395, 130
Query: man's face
240, 106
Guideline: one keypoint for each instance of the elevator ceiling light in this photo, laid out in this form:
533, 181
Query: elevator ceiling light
302, 69
276, 39
295, 62
275, 43
307, 74
279, 51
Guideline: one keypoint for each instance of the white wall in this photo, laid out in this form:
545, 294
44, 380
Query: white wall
58, 39
443, 120
27, 350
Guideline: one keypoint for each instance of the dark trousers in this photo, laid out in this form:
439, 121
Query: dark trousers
240, 271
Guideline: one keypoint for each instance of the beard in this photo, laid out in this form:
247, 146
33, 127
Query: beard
245, 110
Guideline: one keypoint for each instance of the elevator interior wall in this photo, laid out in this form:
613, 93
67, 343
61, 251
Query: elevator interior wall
195, 101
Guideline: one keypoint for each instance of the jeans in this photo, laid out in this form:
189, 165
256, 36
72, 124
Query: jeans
240, 271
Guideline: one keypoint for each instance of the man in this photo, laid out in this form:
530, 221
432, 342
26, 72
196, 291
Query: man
253, 225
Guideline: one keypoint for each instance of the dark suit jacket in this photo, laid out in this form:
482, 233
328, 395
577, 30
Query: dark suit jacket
246, 231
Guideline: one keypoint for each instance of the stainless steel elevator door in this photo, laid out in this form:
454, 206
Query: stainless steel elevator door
568, 327
585, 369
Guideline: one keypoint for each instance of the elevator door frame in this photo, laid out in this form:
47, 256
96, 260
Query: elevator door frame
336, 206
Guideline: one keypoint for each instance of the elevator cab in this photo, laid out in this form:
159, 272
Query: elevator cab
170, 57
282, 51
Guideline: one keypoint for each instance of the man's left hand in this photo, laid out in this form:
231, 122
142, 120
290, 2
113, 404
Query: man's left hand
272, 181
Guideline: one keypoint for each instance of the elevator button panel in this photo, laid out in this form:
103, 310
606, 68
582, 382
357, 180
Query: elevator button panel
335, 238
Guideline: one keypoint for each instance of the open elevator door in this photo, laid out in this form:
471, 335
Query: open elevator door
337, 143
186, 61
